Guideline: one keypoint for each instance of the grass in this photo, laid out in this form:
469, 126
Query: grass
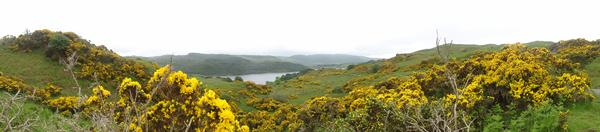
593, 71
37, 70
45, 114
459, 51
585, 116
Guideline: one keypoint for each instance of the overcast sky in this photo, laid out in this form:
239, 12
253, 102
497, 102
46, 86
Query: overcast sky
283, 28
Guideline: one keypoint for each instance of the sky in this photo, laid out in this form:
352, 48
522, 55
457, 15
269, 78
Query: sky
370, 28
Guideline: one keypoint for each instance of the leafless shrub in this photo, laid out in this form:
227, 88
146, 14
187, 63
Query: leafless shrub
12, 113
439, 120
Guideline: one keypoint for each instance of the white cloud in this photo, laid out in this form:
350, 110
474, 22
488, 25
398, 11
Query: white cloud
370, 28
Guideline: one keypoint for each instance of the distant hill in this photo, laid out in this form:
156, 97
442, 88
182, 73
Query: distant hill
326, 59
222, 64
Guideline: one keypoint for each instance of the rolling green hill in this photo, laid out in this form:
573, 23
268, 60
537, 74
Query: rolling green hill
373, 96
221, 64
326, 59
306, 89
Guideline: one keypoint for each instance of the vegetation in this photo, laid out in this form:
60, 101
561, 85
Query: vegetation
515, 87
325, 59
218, 64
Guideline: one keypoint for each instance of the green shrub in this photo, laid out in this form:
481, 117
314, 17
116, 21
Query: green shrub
545, 118
227, 79
226, 96
59, 42
238, 78
349, 67
375, 68
337, 89
279, 97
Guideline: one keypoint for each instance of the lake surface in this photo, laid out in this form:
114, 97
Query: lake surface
260, 78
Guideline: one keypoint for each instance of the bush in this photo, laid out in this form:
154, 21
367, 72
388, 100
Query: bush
349, 67
293, 96
59, 42
227, 79
226, 96
278, 97
547, 117
52, 90
268, 104
337, 89
239, 79
305, 71
375, 68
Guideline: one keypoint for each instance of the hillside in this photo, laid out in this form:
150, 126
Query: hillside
221, 64
325, 59
510, 87
36, 66
351, 89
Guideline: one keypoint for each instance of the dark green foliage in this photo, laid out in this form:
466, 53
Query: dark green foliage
582, 59
238, 78
337, 89
226, 96
546, 117
289, 76
277, 81
375, 68
326, 59
494, 121
349, 67
302, 72
278, 97
59, 42
543, 118
227, 79
219, 64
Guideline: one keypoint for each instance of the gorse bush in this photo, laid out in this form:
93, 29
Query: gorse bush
515, 89
258, 88
64, 105
268, 104
93, 60
179, 104
578, 50
52, 90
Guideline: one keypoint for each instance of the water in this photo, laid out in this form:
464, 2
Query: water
260, 78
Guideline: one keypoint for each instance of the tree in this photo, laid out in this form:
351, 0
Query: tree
349, 67
59, 42
227, 79
238, 78
375, 68
277, 81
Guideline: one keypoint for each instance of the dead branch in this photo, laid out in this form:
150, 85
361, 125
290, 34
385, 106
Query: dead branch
9, 113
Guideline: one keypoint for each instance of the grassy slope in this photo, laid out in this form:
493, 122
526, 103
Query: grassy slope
585, 115
37, 70
593, 71
457, 51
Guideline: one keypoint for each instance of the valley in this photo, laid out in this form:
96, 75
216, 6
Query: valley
507, 87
